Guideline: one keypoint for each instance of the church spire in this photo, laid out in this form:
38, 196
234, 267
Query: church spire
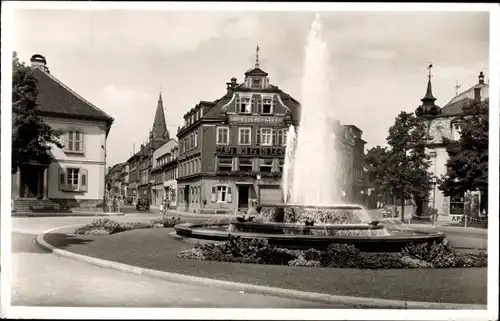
428, 107
160, 131
429, 99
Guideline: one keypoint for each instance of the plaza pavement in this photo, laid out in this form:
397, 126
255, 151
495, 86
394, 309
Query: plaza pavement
40, 278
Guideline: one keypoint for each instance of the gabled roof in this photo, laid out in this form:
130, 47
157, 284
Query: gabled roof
256, 72
57, 99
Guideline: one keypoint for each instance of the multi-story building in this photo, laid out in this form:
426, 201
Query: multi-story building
142, 161
116, 181
232, 150
164, 174
133, 177
444, 122
75, 178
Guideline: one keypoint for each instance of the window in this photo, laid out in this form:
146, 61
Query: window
256, 82
222, 135
243, 105
225, 163
265, 164
73, 179
75, 141
281, 164
221, 194
196, 139
267, 106
246, 164
457, 204
244, 136
266, 136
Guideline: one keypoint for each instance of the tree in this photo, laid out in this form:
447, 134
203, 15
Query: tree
375, 161
31, 136
406, 165
467, 166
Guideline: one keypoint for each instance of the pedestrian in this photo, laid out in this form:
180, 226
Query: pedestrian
162, 207
378, 204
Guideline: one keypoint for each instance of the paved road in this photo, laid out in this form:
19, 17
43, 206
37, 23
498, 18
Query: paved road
43, 279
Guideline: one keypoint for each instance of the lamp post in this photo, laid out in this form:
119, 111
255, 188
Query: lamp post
434, 183
258, 188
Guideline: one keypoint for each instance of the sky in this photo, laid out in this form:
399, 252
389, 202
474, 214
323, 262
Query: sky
120, 60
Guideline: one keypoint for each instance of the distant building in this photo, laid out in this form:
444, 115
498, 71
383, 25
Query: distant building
117, 181
75, 177
443, 122
141, 163
164, 174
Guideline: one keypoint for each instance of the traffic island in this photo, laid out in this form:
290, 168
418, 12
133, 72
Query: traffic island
151, 252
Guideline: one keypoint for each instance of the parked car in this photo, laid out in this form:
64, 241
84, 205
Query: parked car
142, 204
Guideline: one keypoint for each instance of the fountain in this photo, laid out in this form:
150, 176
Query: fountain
313, 213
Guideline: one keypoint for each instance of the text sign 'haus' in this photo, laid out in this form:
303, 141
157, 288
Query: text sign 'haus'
256, 119
264, 151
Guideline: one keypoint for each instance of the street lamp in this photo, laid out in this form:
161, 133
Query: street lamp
258, 188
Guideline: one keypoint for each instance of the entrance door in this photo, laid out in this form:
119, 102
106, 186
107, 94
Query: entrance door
30, 182
243, 196
186, 195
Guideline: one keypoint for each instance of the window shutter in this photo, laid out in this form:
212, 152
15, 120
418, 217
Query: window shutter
254, 108
229, 195
62, 179
273, 133
83, 180
257, 140
82, 136
214, 193
65, 140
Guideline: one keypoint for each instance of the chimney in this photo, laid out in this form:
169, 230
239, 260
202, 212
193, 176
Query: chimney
233, 82
481, 77
477, 94
39, 61
229, 88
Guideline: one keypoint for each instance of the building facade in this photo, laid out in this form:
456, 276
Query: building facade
75, 178
164, 174
231, 151
443, 123
142, 161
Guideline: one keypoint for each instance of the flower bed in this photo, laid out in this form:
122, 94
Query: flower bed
258, 251
106, 226
314, 215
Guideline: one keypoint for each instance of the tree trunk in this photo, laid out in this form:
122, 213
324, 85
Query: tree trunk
402, 209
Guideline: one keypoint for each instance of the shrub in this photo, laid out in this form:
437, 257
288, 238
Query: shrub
194, 253
380, 261
313, 255
428, 252
303, 262
168, 222
96, 232
341, 255
410, 262
105, 224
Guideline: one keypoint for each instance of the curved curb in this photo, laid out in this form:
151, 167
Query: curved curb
355, 302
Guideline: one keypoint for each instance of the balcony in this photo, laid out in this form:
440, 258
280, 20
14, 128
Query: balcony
248, 174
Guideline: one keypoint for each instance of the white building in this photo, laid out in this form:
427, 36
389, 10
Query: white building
442, 122
75, 177
164, 174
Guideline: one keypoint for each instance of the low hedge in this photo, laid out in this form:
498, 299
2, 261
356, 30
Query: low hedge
258, 251
105, 226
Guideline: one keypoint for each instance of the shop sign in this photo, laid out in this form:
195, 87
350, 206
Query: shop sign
265, 151
242, 119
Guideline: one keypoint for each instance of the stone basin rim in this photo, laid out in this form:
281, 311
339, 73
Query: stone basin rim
196, 230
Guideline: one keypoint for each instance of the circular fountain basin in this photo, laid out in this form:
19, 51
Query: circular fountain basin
394, 242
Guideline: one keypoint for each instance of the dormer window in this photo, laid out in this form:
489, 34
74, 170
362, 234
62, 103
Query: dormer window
256, 82
267, 106
243, 105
